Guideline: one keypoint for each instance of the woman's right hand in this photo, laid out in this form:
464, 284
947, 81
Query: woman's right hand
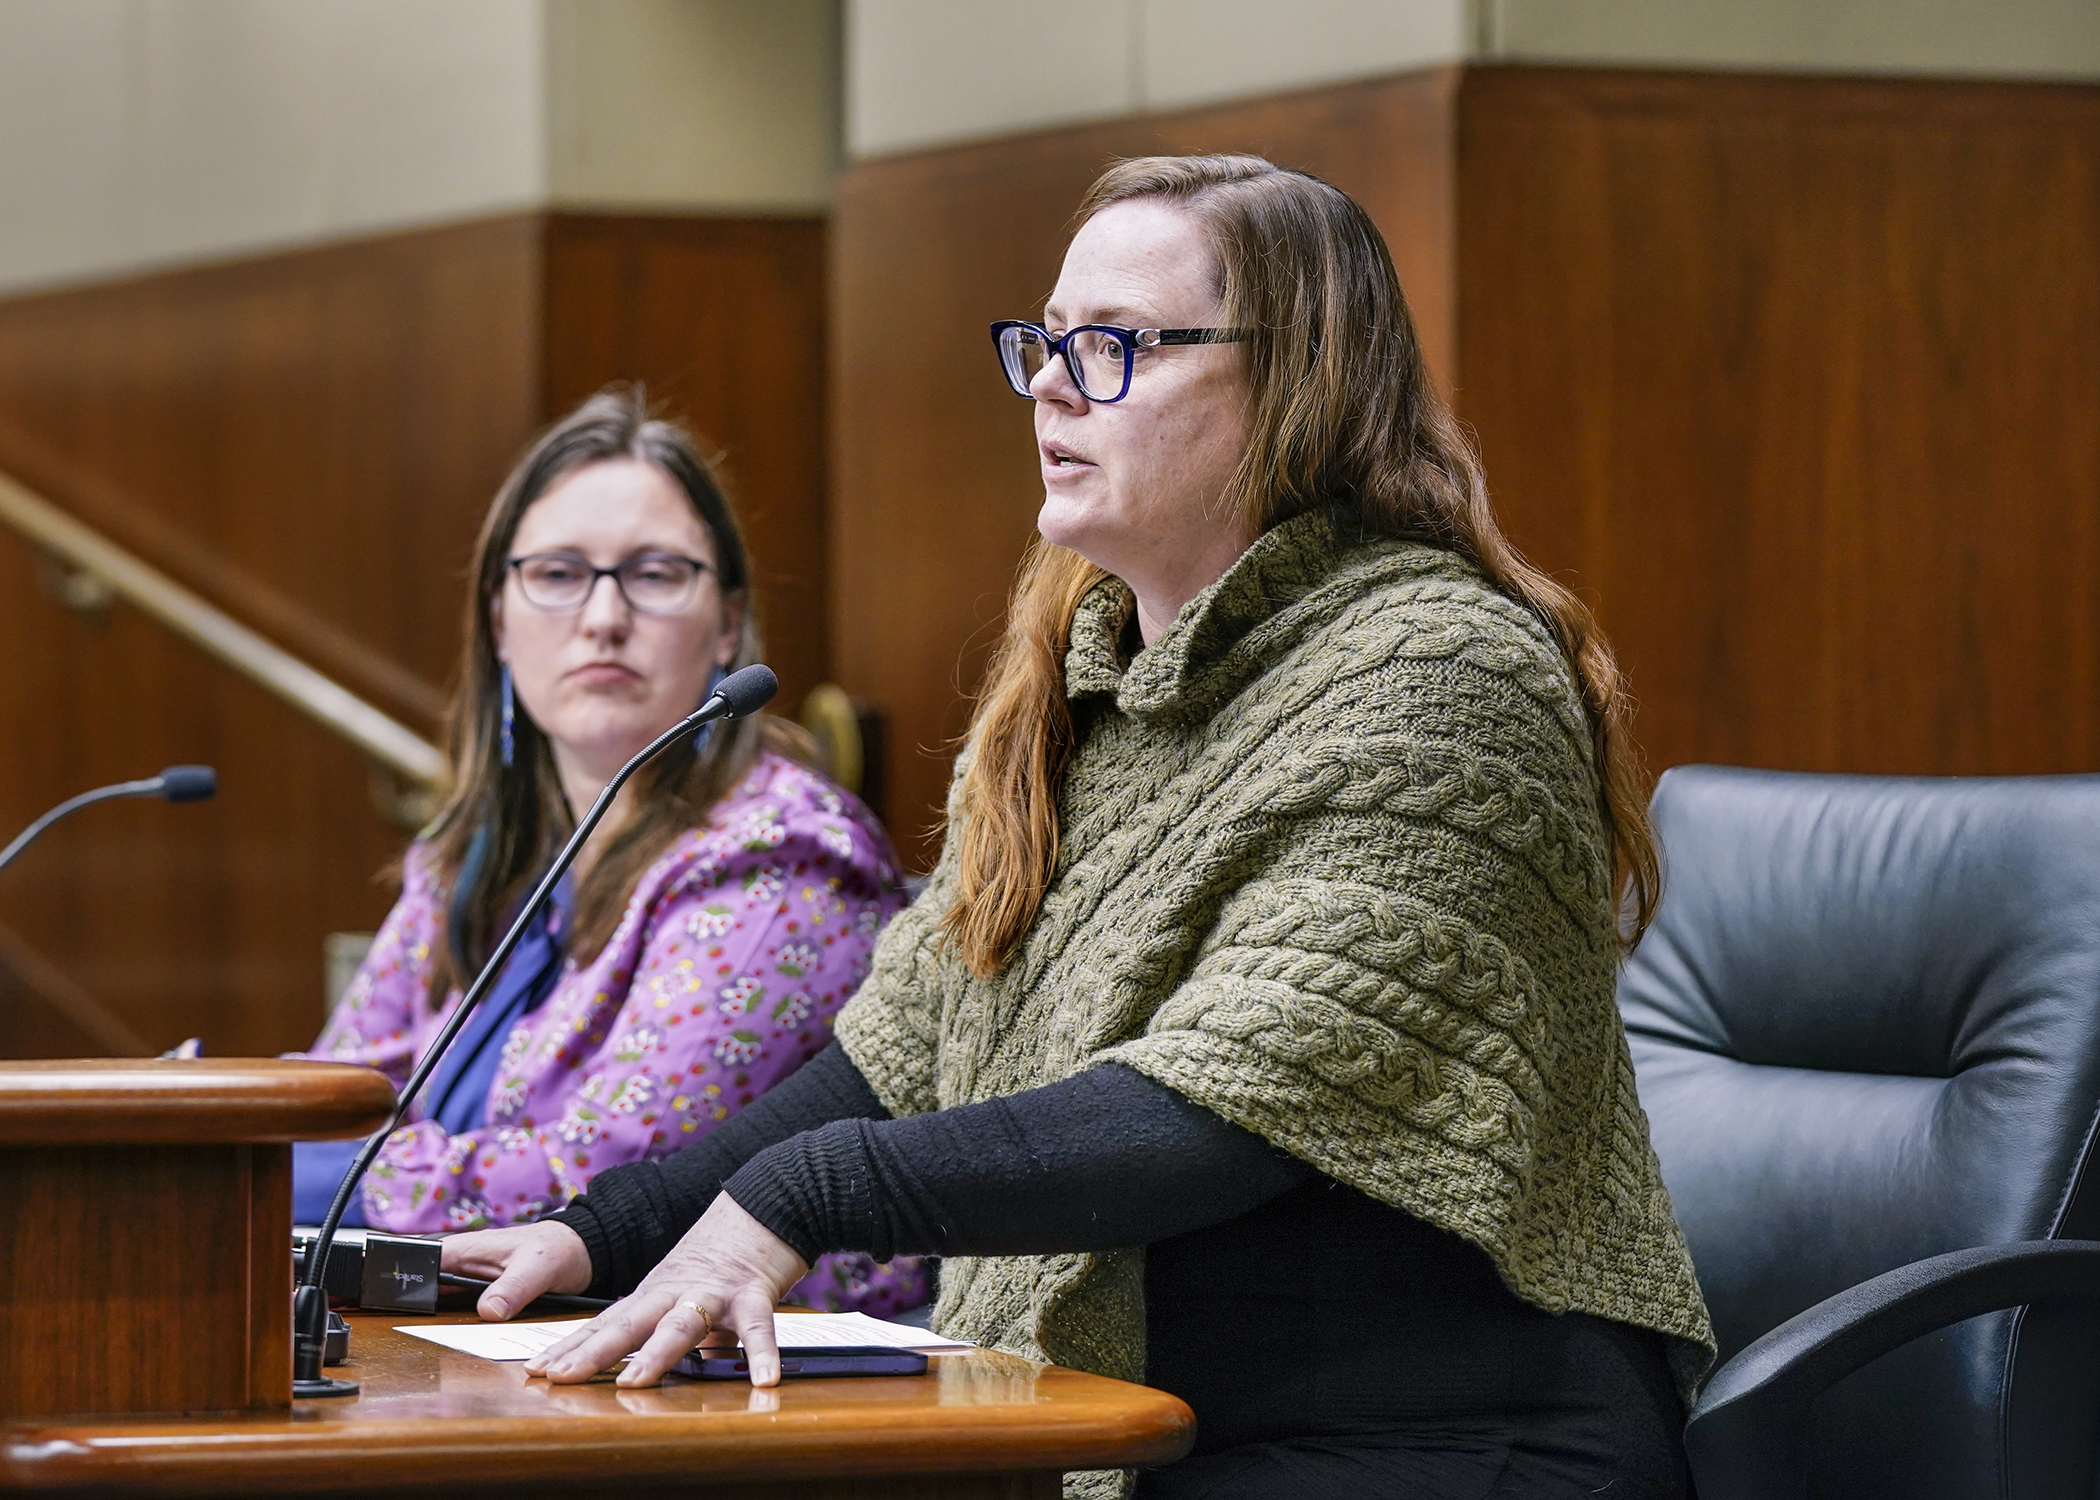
522, 1262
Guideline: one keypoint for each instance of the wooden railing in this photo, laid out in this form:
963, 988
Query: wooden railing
408, 771
390, 744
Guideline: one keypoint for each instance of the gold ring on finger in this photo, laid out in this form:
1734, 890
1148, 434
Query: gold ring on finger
707, 1323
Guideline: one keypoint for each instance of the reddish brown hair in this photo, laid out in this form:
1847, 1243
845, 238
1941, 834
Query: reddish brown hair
1343, 419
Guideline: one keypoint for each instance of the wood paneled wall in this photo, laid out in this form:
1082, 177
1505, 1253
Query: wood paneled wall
307, 438
933, 469
724, 320
1797, 378
310, 440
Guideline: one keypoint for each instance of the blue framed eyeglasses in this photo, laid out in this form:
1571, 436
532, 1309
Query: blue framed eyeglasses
1099, 355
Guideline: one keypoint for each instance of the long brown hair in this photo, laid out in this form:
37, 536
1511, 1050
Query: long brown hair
1343, 419
501, 825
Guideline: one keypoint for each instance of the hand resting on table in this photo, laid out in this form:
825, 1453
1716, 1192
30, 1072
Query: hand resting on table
728, 1263
520, 1263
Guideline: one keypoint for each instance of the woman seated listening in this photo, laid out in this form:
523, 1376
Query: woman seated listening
709, 931
1255, 1036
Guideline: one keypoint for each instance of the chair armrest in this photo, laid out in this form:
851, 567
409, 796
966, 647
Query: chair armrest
1748, 1434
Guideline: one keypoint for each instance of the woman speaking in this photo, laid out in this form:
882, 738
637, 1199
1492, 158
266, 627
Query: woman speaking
1255, 1036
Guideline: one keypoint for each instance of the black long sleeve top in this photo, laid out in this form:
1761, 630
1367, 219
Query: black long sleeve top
1279, 1304
1107, 1157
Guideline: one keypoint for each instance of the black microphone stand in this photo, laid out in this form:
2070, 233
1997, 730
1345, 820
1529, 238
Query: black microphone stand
176, 784
739, 695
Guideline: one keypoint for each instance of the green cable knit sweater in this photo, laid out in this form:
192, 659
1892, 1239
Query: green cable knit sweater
1331, 865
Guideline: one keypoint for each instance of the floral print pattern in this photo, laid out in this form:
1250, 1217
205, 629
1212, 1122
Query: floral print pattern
735, 952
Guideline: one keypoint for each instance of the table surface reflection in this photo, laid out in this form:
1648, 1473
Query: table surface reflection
427, 1415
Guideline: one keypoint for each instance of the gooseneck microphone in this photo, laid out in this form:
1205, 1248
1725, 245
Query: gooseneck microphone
176, 784
738, 696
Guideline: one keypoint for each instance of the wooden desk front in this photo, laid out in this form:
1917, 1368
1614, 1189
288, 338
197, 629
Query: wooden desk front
430, 1421
145, 1220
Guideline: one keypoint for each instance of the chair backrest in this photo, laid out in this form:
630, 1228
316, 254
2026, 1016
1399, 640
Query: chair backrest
1866, 1025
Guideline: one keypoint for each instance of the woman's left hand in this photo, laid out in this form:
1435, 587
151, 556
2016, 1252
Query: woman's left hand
728, 1264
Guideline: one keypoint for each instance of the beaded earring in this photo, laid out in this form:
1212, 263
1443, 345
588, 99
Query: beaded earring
509, 711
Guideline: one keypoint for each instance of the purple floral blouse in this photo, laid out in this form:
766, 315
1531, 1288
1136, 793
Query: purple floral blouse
734, 953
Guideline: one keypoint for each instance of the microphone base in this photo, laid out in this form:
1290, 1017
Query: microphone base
321, 1385
317, 1334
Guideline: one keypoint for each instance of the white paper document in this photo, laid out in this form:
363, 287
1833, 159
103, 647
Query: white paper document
854, 1329
793, 1330
495, 1340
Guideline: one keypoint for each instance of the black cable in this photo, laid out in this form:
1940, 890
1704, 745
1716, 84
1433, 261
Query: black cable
551, 1299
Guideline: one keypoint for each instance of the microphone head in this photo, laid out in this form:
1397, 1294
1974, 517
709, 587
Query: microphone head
188, 783
748, 691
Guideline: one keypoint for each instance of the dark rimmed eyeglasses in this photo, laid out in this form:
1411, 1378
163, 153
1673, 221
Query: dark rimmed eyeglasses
1099, 355
652, 583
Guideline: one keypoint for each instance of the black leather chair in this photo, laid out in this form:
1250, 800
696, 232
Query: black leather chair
1866, 1025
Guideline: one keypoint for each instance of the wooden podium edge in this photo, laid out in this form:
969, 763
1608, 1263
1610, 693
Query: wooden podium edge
188, 1101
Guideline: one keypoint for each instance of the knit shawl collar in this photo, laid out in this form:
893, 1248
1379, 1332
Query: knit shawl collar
1221, 639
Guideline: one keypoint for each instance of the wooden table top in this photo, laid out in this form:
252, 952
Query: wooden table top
429, 1416
187, 1101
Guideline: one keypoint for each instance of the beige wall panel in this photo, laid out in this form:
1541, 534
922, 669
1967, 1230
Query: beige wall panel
925, 71
136, 133
933, 72
142, 134
683, 103
2018, 38
928, 72
1195, 51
